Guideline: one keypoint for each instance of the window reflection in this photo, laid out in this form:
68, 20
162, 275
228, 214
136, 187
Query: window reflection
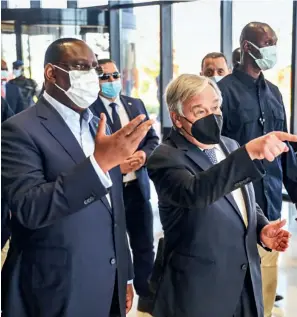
196, 32
140, 55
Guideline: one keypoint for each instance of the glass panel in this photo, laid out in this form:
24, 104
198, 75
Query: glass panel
196, 32
14, 4
91, 3
244, 12
8, 50
36, 39
61, 4
140, 55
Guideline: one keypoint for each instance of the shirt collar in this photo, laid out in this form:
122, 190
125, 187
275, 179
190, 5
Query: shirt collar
67, 113
247, 79
107, 102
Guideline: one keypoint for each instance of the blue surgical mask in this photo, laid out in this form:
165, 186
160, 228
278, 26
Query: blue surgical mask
111, 89
216, 79
269, 56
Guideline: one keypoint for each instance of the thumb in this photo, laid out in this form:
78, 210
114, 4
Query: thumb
280, 224
102, 125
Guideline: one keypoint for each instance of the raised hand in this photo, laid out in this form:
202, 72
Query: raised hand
269, 146
112, 150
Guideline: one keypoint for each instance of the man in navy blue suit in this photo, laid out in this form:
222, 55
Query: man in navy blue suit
69, 254
119, 110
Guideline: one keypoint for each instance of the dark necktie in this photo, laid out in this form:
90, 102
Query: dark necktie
116, 122
211, 155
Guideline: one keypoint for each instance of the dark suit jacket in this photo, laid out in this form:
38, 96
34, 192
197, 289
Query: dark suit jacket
67, 244
14, 98
211, 249
134, 107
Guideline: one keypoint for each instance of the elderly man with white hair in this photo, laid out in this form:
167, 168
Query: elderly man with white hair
211, 222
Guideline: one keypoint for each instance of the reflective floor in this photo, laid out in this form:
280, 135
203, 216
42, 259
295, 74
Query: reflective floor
287, 285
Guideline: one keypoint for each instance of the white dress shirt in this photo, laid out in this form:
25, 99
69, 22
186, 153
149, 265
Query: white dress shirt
82, 133
124, 118
237, 194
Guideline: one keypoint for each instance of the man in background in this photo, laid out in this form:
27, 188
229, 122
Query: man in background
215, 66
120, 110
9, 91
253, 107
27, 85
236, 57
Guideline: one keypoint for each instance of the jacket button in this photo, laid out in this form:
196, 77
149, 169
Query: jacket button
244, 267
112, 261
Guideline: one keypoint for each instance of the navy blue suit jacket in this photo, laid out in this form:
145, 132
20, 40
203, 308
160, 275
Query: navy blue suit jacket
14, 98
67, 244
134, 107
211, 248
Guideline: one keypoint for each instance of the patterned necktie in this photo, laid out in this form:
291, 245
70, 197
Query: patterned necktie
116, 122
211, 155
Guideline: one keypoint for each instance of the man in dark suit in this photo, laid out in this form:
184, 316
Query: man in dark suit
119, 110
10, 92
69, 255
211, 221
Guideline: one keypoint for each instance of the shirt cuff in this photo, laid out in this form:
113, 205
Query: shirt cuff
104, 178
130, 282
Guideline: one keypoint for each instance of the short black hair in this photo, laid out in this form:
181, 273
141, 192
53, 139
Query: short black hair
54, 52
213, 55
104, 61
249, 32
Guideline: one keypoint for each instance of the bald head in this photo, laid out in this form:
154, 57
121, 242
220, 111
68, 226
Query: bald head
258, 33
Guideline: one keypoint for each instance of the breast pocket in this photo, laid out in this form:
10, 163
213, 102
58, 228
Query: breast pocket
278, 116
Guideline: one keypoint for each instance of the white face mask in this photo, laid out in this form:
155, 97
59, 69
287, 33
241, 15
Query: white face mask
17, 72
269, 56
84, 87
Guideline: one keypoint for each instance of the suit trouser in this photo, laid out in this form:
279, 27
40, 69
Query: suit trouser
246, 306
139, 218
269, 278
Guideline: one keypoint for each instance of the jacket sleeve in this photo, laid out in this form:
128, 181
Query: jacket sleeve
151, 140
262, 221
289, 166
34, 201
180, 187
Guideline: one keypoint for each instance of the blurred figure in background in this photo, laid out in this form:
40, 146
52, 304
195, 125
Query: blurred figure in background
9, 91
27, 86
236, 57
215, 66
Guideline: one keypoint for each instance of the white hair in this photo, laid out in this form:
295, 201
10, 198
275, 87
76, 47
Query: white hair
186, 86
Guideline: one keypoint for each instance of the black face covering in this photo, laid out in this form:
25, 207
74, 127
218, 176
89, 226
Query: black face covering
208, 129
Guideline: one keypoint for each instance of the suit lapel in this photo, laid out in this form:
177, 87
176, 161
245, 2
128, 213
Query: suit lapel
244, 189
99, 108
128, 107
56, 126
200, 159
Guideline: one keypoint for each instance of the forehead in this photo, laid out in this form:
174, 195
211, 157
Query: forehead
205, 98
77, 52
218, 62
265, 33
109, 68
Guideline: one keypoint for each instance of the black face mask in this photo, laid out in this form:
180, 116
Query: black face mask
208, 129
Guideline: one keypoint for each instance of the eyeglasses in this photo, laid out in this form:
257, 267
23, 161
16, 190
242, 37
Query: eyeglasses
82, 67
106, 76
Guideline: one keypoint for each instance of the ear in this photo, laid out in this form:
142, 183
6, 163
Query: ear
176, 119
49, 73
201, 73
246, 47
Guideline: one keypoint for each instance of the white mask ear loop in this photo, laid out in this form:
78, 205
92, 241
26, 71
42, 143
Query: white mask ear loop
63, 71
